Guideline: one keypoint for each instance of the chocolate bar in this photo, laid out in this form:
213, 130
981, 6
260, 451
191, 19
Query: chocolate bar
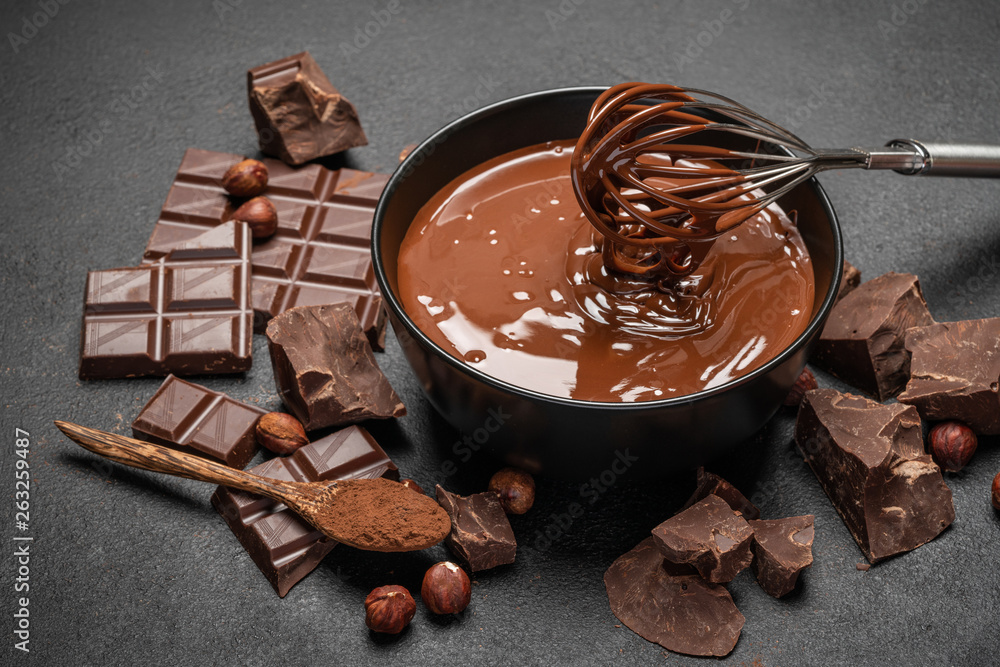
481, 536
299, 115
862, 342
710, 484
320, 253
708, 535
782, 548
325, 370
190, 418
870, 460
285, 547
955, 373
671, 605
188, 313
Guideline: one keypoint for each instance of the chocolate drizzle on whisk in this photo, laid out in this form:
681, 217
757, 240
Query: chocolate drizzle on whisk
661, 172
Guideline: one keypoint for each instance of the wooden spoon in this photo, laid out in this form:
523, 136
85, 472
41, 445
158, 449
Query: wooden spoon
371, 514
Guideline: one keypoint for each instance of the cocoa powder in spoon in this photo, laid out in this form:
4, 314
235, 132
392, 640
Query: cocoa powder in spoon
385, 516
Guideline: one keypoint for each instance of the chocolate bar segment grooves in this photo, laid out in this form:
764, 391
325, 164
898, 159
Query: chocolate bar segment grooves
187, 313
320, 253
191, 418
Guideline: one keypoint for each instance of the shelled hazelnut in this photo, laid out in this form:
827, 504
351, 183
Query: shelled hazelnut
389, 609
516, 489
260, 215
280, 433
952, 444
996, 492
805, 382
245, 179
446, 588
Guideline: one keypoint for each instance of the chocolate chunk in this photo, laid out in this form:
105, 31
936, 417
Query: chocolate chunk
321, 252
955, 373
481, 536
708, 535
862, 342
284, 546
781, 549
325, 370
299, 115
870, 460
188, 313
678, 610
190, 418
850, 280
710, 484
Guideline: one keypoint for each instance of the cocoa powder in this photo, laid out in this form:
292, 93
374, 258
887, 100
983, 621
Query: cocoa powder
382, 515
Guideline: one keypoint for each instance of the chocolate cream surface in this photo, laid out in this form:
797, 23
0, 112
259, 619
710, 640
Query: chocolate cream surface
502, 269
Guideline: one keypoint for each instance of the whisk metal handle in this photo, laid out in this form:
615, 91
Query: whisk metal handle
908, 156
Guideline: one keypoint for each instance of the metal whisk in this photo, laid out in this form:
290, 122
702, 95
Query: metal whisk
662, 170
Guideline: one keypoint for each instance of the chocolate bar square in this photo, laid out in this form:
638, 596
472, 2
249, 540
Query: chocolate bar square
191, 418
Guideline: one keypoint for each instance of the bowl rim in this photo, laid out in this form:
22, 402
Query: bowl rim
425, 148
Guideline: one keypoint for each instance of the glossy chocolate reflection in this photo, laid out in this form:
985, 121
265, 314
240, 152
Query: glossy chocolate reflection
501, 269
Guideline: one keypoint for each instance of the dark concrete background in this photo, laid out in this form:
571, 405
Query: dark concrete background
99, 104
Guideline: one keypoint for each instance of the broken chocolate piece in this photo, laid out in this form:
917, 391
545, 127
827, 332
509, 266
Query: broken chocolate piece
708, 535
325, 370
481, 536
299, 115
196, 420
850, 279
955, 373
283, 545
870, 460
781, 549
862, 342
661, 603
710, 484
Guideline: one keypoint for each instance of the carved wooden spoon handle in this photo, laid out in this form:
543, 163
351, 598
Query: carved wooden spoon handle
157, 458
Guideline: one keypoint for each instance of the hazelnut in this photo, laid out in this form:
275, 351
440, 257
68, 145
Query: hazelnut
996, 492
952, 445
412, 486
245, 179
806, 382
446, 588
259, 213
280, 433
516, 489
389, 609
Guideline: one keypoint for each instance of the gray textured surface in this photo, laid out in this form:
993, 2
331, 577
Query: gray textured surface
130, 567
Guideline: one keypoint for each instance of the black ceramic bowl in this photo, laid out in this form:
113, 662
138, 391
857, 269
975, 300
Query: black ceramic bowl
562, 436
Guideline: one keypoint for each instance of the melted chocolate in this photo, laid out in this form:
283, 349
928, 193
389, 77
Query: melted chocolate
502, 269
